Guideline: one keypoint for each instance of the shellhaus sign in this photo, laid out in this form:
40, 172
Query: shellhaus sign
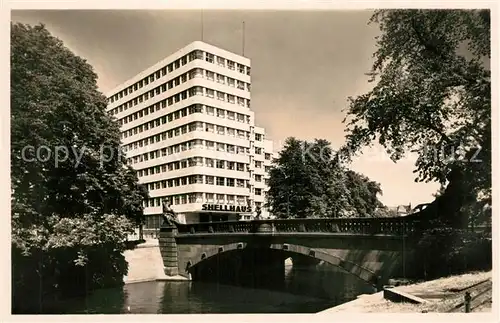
226, 208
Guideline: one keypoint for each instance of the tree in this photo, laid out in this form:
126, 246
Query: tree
73, 197
363, 194
306, 181
431, 97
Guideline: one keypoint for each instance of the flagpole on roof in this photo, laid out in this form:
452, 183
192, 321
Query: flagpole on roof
243, 39
202, 25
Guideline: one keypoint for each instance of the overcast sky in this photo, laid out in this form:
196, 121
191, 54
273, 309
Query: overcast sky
304, 67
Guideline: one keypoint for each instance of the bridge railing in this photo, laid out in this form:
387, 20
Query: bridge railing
390, 226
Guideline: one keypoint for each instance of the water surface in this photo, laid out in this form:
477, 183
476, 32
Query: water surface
304, 291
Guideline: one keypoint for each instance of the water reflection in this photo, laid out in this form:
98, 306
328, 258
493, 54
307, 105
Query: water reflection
306, 290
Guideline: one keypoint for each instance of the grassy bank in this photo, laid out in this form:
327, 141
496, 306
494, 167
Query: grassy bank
441, 295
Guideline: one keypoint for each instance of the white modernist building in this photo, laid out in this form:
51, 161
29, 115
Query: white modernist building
188, 130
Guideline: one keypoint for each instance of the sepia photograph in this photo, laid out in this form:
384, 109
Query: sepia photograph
251, 161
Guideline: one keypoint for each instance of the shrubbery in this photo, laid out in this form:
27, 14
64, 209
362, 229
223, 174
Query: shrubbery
443, 251
42, 279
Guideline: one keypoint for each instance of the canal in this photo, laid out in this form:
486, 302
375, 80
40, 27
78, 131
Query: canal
305, 291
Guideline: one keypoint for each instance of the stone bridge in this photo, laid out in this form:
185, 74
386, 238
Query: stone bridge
373, 249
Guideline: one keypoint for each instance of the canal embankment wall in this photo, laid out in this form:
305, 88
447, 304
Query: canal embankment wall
145, 263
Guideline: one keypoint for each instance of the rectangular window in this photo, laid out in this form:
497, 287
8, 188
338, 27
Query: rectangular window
220, 181
197, 72
210, 145
210, 93
209, 162
230, 182
197, 108
220, 164
209, 57
209, 127
267, 156
210, 111
221, 78
230, 99
241, 68
258, 178
199, 54
221, 113
230, 82
210, 75
220, 198
220, 147
209, 197
230, 65
241, 85
220, 130
221, 61
209, 180
258, 191
221, 96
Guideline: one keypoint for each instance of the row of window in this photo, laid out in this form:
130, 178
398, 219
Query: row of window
198, 126
199, 161
184, 95
199, 198
192, 162
196, 54
189, 145
200, 179
194, 73
196, 108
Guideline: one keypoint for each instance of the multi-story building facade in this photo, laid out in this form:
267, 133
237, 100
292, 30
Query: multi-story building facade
187, 128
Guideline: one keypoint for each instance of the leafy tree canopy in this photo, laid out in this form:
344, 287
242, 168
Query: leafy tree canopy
306, 181
70, 183
432, 96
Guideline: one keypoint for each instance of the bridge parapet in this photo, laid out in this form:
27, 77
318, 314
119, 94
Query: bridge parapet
387, 226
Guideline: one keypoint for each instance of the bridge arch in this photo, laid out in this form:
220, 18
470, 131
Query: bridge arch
331, 258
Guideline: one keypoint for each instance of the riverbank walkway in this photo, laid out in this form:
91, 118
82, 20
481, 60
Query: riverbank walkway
443, 295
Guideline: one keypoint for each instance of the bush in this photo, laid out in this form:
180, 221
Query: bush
443, 251
43, 278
